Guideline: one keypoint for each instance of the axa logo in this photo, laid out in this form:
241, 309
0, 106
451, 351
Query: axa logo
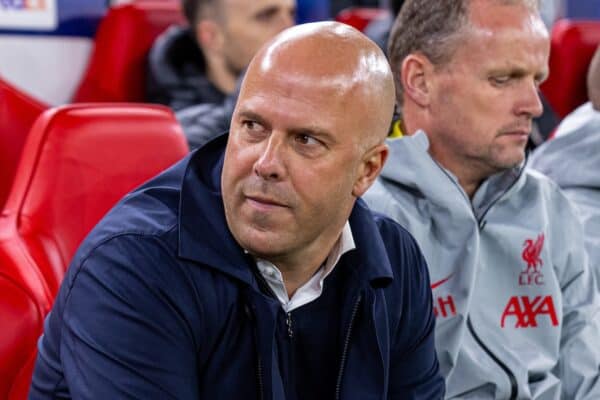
527, 312
23, 4
443, 306
532, 249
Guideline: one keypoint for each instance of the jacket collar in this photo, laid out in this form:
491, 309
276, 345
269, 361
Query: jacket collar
176, 62
411, 166
204, 236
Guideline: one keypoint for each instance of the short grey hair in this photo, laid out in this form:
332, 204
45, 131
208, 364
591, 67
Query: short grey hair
432, 28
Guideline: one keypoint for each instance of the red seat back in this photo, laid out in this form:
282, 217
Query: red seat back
117, 67
17, 113
78, 161
572, 48
360, 17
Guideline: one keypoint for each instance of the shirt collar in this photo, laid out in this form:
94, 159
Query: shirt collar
313, 288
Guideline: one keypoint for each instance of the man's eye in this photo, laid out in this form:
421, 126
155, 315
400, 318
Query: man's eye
266, 15
253, 129
250, 125
500, 80
307, 140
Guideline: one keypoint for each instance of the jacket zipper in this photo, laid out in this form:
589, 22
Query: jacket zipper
480, 221
511, 376
259, 377
338, 387
481, 224
288, 322
261, 390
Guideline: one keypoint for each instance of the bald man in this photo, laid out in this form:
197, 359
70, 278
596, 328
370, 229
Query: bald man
572, 159
252, 269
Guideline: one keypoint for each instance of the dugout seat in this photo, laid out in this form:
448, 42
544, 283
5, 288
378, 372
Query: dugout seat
117, 67
572, 47
360, 17
17, 113
78, 161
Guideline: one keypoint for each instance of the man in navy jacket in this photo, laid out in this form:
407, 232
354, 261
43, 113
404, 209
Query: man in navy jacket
251, 269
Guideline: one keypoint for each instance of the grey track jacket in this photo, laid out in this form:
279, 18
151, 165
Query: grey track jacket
572, 160
516, 305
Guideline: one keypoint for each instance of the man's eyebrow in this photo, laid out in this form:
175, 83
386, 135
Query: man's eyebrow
266, 12
518, 72
317, 132
512, 70
251, 115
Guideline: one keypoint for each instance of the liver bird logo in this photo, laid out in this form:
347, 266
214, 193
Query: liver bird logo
531, 253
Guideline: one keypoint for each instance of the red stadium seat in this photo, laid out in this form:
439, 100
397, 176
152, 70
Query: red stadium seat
78, 161
359, 17
572, 48
117, 67
17, 113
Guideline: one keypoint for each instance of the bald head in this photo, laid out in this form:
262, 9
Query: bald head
306, 140
593, 80
337, 60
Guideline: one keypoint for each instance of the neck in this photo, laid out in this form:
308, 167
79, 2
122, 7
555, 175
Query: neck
220, 75
298, 275
469, 176
296, 272
297, 269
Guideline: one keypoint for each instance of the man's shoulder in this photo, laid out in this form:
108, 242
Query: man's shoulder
390, 229
402, 250
386, 241
171, 52
203, 122
539, 187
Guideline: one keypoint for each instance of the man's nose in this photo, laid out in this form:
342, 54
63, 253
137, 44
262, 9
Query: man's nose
529, 100
270, 164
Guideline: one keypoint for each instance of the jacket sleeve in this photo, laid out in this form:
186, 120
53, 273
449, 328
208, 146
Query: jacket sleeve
579, 360
414, 367
123, 328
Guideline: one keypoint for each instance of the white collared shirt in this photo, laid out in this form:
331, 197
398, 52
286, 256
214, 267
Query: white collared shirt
312, 289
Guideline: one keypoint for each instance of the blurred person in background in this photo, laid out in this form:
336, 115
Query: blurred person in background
201, 63
338, 5
379, 29
516, 302
572, 159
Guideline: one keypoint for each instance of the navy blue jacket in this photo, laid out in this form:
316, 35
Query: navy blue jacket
160, 302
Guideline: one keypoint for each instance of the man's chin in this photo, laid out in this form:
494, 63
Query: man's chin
506, 165
509, 160
264, 246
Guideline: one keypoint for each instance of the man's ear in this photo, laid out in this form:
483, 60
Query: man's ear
416, 73
208, 35
370, 167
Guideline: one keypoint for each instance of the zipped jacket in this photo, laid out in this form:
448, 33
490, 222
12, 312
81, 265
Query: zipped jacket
516, 305
160, 302
572, 160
